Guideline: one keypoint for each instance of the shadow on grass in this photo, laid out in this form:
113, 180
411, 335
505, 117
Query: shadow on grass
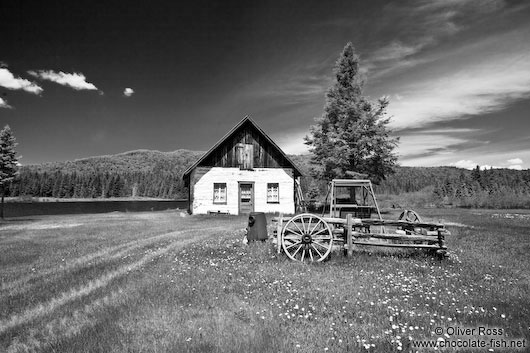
17, 221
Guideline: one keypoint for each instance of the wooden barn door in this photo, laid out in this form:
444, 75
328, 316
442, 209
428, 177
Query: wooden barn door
246, 197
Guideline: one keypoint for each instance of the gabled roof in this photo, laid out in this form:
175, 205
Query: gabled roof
229, 133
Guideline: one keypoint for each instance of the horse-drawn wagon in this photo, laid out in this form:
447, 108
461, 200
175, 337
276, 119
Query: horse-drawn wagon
354, 218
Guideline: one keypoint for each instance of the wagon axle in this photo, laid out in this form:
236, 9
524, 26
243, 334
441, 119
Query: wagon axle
306, 239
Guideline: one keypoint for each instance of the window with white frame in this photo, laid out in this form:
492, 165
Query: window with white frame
273, 193
219, 193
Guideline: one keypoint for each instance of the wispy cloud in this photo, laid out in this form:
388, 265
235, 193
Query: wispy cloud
292, 142
422, 145
74, 80
439, 146
420, 24
515, 161
3, 104
9, 81
466, 164
297, 86
470, 164
485, 157
473, 86
396, 50
127, 92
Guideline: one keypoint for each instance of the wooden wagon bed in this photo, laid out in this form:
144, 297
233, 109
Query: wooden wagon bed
323, 233
352, 203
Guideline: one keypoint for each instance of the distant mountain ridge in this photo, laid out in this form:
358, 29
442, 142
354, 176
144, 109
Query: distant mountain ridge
141, 160
151, 173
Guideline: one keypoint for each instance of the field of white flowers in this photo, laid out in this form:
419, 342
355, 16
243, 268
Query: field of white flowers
158, 282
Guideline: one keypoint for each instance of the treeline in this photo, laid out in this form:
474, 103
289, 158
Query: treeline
141, 173
98, 185
157, 174
442, 186
403, 180
412, 179
491, 188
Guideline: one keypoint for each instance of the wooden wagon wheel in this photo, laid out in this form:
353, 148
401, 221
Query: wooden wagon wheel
409, 216
307, 237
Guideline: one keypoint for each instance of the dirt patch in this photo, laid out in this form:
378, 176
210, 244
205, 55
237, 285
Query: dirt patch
511, 215
456, 224
40, 226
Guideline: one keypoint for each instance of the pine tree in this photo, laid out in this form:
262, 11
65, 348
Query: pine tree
352, 134
8, 162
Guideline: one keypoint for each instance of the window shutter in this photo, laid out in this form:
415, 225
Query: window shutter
240, 155
248, 161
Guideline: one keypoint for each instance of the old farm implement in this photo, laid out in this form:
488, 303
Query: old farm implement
354, 218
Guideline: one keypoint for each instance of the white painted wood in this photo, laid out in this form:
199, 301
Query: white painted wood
203, 190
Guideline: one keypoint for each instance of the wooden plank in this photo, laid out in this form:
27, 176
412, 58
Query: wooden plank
409, 237
378, 222
441, 238
279, 239
352, 205
248, 156
421, 246
349, 234
338, 231
327, 219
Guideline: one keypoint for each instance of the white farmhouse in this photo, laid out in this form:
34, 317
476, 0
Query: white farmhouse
244, 172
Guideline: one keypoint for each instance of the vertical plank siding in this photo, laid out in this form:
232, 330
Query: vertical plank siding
264, 154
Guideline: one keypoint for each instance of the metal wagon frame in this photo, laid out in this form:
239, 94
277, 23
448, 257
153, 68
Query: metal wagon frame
308, 237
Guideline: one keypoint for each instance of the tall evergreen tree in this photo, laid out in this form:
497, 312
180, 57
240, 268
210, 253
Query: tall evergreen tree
8, 162
352, 134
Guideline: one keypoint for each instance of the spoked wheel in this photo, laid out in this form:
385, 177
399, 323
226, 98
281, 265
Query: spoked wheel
409, 216
307, 237
412, 217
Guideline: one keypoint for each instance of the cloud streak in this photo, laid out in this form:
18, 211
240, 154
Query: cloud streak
74, 80
515, 161
484, 78
3, 104
9, 81
396, 50
420, 25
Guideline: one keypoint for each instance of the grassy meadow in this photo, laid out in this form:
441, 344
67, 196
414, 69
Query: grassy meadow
159, 282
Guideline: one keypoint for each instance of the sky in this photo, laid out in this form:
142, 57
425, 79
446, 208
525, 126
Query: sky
80, 79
